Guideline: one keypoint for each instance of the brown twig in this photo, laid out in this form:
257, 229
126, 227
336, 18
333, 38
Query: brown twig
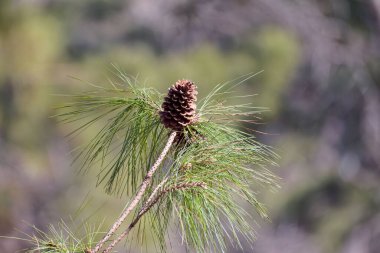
155, 191
149, 204
144, 185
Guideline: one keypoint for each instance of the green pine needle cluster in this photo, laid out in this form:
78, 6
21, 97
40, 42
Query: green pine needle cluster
227, 162
230, 164
61, 239
129, 139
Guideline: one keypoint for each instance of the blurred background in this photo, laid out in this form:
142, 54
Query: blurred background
321, 80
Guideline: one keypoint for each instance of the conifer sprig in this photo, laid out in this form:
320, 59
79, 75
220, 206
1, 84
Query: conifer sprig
224, 165
62, 238
232, 165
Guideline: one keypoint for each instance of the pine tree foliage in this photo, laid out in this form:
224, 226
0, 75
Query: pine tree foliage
131, 135
228, 163
207, 184
62, 239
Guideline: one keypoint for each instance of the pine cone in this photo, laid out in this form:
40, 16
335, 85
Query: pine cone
178, 109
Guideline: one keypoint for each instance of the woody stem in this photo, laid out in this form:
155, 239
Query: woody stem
153, 199
144, 185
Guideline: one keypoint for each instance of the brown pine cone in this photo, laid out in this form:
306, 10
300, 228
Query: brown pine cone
178, 109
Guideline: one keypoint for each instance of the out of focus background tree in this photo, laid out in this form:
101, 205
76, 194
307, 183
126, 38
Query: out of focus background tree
321, 80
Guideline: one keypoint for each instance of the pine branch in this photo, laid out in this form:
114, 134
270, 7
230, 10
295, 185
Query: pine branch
209, 149
149, 204
139, 194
